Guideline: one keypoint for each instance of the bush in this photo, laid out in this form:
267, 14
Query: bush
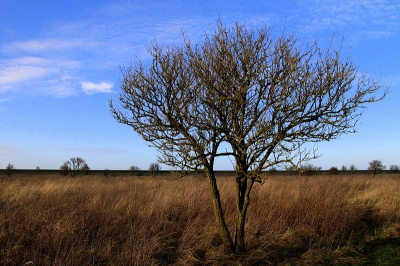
334, 170
106, 172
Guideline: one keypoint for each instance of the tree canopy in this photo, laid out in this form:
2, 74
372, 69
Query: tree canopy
262, 95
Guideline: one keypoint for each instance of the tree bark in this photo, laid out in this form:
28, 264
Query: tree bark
243, 189
219, 214
240, 246
241, 210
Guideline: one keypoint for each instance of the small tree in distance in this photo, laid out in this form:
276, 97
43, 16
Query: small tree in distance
344, 168
85, 169
353, 169
10, 169
154, 168
64, 169
134, 170
310, 169
333, 170
376, 166
394, 168
74, 167
262, 96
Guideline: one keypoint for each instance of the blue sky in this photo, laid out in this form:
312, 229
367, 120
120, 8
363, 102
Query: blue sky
60, 61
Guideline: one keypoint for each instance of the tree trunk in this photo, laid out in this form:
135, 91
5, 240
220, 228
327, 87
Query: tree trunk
242, 202
219, 214
240, 246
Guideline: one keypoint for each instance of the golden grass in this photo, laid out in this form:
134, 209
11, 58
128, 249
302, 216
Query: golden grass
93, 220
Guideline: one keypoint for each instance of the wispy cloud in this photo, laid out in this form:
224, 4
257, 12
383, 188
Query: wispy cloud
38, 75
8, 150
369, 18
112, 36
95, 46
21, 73
46, 45
92, 88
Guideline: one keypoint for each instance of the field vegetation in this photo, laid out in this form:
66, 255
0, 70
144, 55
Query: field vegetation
294, 220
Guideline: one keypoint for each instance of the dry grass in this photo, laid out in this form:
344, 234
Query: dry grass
53, 220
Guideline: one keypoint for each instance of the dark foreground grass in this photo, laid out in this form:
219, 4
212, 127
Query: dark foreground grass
293, 220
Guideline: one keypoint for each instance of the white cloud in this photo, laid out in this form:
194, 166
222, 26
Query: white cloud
92, 88
46, 45
32, 75
21, 73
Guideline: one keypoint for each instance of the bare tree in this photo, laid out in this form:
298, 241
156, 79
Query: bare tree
74, 167
376, 166
395, 168
64, 169
154, 169
10, 169
353, 169
134, 170
85, 169
308, 169
343, 169
263, 96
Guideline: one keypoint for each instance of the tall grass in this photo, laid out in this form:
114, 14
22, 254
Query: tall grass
54, 220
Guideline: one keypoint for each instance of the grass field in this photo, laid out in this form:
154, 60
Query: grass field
293, 220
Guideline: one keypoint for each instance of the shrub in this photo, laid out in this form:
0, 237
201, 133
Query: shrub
106, 172
334, 170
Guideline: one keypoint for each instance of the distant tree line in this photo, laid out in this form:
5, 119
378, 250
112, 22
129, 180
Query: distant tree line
78, 166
